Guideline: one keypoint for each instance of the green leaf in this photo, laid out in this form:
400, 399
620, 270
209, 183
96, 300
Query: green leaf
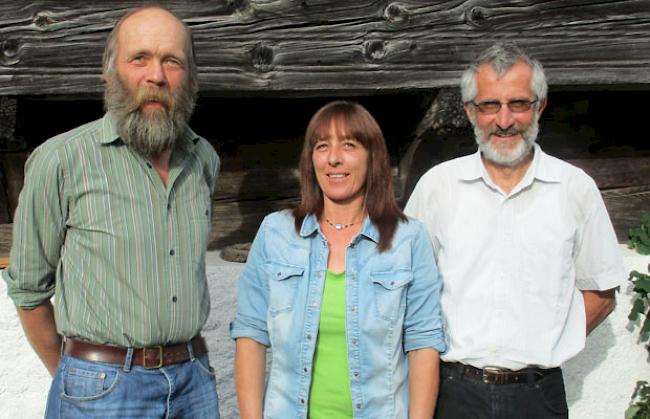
645, 330
637, 308
642, 284
631, 411
642, 249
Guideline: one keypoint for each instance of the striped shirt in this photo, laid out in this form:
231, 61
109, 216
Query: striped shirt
123, 254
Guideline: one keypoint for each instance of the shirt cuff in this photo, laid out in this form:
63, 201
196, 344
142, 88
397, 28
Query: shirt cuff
242, 329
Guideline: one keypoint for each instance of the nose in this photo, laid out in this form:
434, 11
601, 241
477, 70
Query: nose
156, 74
504, 117
334, 156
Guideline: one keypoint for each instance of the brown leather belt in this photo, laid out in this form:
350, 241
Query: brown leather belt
150, 357
494, 375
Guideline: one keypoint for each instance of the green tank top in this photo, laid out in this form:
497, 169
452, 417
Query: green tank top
330, 396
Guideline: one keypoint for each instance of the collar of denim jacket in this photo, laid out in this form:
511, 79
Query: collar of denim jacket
369, 230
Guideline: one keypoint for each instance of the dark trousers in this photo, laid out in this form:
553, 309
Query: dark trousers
468, 398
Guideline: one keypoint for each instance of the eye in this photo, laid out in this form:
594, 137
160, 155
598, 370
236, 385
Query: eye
489, 106
138, 59
174, 62
350, 144
519, 105
321, 145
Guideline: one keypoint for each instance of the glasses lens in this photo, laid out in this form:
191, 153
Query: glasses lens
520, 105
489, 106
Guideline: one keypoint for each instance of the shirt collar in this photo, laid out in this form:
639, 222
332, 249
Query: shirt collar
369, 230
109, 134
542, 168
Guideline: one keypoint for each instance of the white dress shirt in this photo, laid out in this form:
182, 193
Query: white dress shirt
513, 264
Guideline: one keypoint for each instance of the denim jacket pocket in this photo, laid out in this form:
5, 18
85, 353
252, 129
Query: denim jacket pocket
390, 292
283, 284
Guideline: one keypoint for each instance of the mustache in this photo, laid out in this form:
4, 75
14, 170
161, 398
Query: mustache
144, 95
513, 130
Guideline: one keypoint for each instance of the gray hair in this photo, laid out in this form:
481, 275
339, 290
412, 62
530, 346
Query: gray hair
110, 51
502, 56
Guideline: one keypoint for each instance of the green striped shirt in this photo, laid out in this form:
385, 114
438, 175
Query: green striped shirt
123, 254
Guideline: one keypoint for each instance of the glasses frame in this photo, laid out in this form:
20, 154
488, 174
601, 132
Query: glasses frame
509, 103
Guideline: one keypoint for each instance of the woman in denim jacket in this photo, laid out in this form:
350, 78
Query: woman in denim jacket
343, 289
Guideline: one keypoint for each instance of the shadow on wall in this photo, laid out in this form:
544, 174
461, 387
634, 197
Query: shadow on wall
596, 350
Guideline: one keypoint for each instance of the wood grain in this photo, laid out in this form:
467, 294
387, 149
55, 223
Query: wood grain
312, 47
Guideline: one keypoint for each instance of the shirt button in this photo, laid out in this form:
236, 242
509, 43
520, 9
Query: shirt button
358, 405
169, 206
354, 309
174, 299
302, 401
172, 253
308, 337
207, 212
305, 369
354, 341
356, 373
279, 274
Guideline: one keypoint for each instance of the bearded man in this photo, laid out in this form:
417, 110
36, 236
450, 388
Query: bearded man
527, 253
113, 221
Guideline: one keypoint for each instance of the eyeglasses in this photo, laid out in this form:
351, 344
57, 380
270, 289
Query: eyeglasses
493, 106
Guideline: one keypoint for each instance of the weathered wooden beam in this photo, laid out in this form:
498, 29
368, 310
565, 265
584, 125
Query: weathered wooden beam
312, 47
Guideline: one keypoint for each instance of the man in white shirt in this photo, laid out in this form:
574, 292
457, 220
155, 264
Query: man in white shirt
526, 250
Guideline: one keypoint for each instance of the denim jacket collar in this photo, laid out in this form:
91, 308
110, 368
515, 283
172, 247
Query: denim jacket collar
369, 230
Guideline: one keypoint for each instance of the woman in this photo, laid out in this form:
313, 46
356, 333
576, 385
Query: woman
341, 289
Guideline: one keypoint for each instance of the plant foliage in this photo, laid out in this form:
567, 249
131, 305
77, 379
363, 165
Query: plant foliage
640, 240
640, 236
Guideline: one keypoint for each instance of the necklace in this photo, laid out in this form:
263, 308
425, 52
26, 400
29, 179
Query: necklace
338, 226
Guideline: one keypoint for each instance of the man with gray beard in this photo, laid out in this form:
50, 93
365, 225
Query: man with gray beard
113, 221
527, 253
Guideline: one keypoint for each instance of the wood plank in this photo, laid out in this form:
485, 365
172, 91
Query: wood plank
238, 221
616, 173
625, 206
311, 47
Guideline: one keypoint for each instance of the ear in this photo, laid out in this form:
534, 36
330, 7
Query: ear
542, 105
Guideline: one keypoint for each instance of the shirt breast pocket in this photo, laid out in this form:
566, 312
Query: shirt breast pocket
390, 293
283, 286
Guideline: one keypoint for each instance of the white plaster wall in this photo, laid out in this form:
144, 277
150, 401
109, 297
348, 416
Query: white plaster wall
599, 380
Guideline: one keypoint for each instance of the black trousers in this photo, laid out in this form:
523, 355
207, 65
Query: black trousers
467, 398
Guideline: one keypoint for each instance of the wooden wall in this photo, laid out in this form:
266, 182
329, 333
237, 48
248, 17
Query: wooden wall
309, 47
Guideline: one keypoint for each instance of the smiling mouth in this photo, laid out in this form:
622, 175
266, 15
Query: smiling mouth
337, 175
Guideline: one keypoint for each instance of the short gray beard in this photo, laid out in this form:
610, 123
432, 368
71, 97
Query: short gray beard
152, 132
507, 158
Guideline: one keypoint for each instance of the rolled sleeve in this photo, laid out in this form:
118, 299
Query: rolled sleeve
38, 232
423, 322
252, 301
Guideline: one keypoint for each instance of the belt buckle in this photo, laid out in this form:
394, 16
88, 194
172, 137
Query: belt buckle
160, 358
488, 372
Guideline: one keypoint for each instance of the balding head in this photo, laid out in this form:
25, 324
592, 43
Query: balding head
147, 17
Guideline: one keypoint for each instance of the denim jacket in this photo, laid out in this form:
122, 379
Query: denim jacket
392, 307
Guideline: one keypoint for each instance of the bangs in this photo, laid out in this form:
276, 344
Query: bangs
347, 120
